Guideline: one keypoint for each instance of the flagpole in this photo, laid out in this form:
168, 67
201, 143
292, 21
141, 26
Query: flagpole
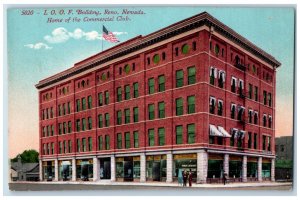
102, 37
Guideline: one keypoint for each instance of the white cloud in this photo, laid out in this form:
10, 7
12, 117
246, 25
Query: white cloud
38, 46
60, 35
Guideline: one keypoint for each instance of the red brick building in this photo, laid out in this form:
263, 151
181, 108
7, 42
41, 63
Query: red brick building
193, 96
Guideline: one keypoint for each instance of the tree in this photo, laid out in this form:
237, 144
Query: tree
28, 156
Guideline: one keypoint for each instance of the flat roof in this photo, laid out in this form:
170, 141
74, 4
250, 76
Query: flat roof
140, 42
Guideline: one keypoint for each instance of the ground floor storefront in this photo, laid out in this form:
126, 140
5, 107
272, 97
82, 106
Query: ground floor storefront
202, 165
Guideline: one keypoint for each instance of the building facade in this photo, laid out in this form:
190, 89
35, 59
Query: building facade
284, 147
193, 96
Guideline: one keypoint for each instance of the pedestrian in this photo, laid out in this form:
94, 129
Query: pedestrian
190, 177
224, 178
180, 181
185, 176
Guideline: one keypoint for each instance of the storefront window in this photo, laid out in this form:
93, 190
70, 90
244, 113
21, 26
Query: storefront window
185, 162
156, 168
235, 169
266, 170
136, 169
119, 170
252, 169
65, 170
84, 169
48, 170
215, 169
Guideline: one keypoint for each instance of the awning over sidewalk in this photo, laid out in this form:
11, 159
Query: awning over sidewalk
224, 132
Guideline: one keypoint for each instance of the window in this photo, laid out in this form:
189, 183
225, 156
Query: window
161, 83
191, 104
161, 110
179, 78
191, 75
60, 127
83, 124
250, 91
241, 110
119, 94
135, 114
83, 101
100, 99
78, 145
106, 120
100, 121
90, 125
64, 109
151, 86
100, 142
69, 127
232, 113
52, 149
161, 136
255, 117
106, 97
221, 79
269, 143
65, 128
264, 120
148, 61
127, 116
233, 84
89, 102
217, 49
151, 137
119, 140
127, 140
233, 135
179, 106
176, 51
107, 142
60, 147
120, 70
256, 93
133, 66
52, 131
78, 125
69, 110
191, 133
270, 99
156, 58
70, 146
119, 117
220, 107
249, 140
264, 142
127, 92
255, 141
163, 55
151, 111
250, 115
265, 97
179, 134
59, 111
185, 48
136, 90
83, 145
270, 121
136, 139
212, 75
212, 105
194, 46
90, 144
241, 87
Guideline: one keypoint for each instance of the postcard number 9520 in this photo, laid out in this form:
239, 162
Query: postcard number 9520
27, 12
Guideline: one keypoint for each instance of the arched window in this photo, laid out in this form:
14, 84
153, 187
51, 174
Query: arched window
237, 60
217, 49
82, 83
265, 120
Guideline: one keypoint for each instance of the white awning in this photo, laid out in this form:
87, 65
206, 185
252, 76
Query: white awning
234, 132
242, 134
224, 132
213, 131
65, 163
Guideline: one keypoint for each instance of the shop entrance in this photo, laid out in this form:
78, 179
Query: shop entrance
105, 168
156, 171
128, 169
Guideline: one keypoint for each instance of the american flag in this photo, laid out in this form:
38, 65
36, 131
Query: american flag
109, 36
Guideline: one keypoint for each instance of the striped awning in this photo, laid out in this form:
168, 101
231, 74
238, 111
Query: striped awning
213, 131
224, 132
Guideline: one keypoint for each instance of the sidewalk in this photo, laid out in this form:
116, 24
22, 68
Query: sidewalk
163, 184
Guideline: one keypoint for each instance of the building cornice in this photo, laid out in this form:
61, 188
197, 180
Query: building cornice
142, 42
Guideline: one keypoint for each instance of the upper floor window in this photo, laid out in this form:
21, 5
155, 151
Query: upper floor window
100, 99
265, 97
151, 88
89, 102
232, 111
256, 93
161, 83
255, 117
191, 75
127, 92
191, 133
151, 111
191, 104
135, 114
106, 93
250, 91
179, 106
233, 84
161, 110
220, 107
241, 110
270, 99
161, 136
270, 121
135, 90
212, 75
250, 116
221, 79
212, 105
127, 116
119, 94
151, 137
264, 120
179, 78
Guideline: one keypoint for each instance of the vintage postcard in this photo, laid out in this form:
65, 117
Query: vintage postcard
130, 97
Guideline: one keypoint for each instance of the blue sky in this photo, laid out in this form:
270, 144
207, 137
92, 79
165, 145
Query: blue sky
271, 29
